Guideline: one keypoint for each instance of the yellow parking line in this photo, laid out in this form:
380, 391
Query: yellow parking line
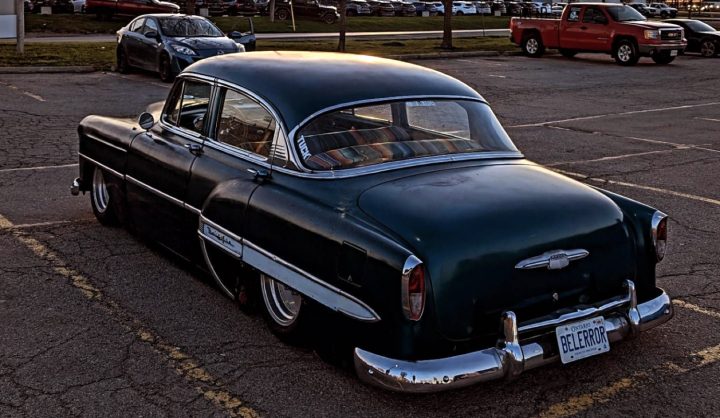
183, 364
695, 308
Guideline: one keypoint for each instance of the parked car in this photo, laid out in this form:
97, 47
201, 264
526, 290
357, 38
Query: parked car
663, 10
28, 6
419, 7
557, 9
700, 36
56, 6
439, 7
78, 6
381, 8
615, 29
106, 9
463, 8
358, 8
643, 9
403, 8
306, 8
482, 7
396, 217
167, 43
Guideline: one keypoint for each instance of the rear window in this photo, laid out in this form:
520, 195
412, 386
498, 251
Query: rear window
400, 130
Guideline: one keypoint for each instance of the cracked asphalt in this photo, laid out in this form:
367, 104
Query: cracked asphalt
96, 322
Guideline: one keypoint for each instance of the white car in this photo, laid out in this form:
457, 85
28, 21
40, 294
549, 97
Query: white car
463, 8
483, 8
663, 10
557, 9
78, 6
439, 6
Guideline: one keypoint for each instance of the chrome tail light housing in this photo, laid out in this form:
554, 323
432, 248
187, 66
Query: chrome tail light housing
659, 234
413, 288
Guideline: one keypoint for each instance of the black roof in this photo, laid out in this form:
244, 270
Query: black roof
299, 84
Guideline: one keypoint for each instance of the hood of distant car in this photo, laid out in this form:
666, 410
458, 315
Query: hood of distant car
473, 225
205, 43
654, 25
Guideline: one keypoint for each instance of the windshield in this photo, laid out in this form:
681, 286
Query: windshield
698, 26
625, 14
188, 26
400, 130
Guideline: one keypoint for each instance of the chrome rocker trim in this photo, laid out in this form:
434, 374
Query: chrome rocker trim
510, 357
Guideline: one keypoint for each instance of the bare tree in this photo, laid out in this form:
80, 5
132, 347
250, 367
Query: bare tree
342, 9
447, 25
271, 10
190, 7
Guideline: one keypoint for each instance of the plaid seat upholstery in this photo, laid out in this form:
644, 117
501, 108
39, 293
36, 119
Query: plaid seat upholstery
374, 153
320, 143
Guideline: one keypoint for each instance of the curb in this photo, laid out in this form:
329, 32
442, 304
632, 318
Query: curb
468, 54
47, 70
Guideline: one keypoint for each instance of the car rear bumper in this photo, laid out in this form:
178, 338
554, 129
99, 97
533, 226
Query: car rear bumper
649, 50
624, 319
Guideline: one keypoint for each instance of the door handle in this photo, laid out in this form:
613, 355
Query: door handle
194, 148
260, 174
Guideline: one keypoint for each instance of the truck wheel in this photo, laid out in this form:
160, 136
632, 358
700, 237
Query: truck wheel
708, 48
626, 53
329, 18
532, 45
568, 53
663, 58
281, 14
663, 14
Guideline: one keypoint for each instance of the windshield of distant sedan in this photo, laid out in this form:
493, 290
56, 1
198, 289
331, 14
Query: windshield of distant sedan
625, 14
188, 26
400, 130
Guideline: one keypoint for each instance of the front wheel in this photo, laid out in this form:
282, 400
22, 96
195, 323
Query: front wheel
663, 58
282, 14
459, 14
329, 18
626, 53
165, 69
532, 45
103, 204
708, 48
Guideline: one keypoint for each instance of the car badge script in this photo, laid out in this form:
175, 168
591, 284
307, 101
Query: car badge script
552, 260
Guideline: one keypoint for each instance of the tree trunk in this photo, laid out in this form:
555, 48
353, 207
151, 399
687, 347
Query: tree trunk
271, 10
342, 9
447, 25
190, 7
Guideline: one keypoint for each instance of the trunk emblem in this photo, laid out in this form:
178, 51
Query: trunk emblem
553, 260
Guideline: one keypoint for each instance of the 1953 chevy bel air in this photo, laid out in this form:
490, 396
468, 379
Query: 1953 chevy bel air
388, 197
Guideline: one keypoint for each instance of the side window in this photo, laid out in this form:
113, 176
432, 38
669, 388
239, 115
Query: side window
574, 14
150, 25
172, 105
193, 106
137, 25
245, 124
591, 13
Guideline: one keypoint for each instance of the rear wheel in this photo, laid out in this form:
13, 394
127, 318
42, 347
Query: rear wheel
459, 13
102, 200
663, 58
328, 18
626, 52
284, 309
282, 14
663, 14
708, 48
532, 45
568, 53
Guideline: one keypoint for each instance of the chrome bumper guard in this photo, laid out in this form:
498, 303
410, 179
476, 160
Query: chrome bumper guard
75, 187
624, 319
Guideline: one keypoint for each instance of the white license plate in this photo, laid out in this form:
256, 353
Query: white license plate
582, 339
673, 53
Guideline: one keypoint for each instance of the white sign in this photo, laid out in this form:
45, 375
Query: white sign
8, 26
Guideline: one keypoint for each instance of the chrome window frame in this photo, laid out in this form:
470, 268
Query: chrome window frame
186, 133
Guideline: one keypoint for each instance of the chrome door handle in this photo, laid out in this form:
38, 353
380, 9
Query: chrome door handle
194, 148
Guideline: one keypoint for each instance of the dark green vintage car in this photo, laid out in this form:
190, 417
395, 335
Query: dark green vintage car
386, 197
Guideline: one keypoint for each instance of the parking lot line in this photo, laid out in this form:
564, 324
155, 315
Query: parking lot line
631, 112
708, 119
34, 96
183, 364
613, 157
696, 308
639, 186
580, 403
42, 167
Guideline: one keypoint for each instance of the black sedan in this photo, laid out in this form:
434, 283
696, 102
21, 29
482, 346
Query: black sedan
167, 43
701, 37
380, 204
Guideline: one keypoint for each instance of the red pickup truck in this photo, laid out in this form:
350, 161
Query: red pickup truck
610, 28
105, 9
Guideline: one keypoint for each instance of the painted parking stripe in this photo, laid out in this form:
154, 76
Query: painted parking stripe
614, 157
696, 308
708, 119
183, 364
34, 96
42, 167
631, 112
639, 186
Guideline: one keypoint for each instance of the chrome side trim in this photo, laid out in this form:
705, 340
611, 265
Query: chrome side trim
149, 188
507, 360
553, 260
101, 165
192, 209
102, 141
307, 284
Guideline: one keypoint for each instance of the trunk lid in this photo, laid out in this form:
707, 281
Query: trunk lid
471, 226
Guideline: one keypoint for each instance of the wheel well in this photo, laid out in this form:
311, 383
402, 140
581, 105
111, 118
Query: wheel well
527, 32
618, 39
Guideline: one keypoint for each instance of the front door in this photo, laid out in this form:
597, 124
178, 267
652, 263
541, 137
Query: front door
148, 46
593, 31
571, 29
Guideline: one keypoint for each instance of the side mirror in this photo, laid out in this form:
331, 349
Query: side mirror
146, 120
235, 34
151, 34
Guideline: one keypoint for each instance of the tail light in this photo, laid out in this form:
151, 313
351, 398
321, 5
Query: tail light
659, 234
413, 288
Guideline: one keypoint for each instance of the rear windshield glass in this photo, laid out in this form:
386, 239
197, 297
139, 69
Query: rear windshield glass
186, 26
401, 130
624, 14
699, 26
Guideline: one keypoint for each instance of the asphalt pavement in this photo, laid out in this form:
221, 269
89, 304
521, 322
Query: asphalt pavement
98, 322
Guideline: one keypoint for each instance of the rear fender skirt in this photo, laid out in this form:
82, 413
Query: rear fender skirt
310, 286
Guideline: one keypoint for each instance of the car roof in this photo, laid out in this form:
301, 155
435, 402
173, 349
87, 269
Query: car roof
302, 84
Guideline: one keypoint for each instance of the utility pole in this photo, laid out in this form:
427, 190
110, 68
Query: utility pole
20, 25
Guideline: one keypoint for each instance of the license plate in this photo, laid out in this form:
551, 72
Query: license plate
582, 339
673, 53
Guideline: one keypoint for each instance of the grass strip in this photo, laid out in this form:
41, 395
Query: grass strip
101, 56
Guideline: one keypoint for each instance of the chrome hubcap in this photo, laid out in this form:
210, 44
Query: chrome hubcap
100, 194
707, 49
624, 53
283, 303
531, 45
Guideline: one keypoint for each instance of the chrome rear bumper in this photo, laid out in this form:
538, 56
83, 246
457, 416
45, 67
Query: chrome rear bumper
624, 319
